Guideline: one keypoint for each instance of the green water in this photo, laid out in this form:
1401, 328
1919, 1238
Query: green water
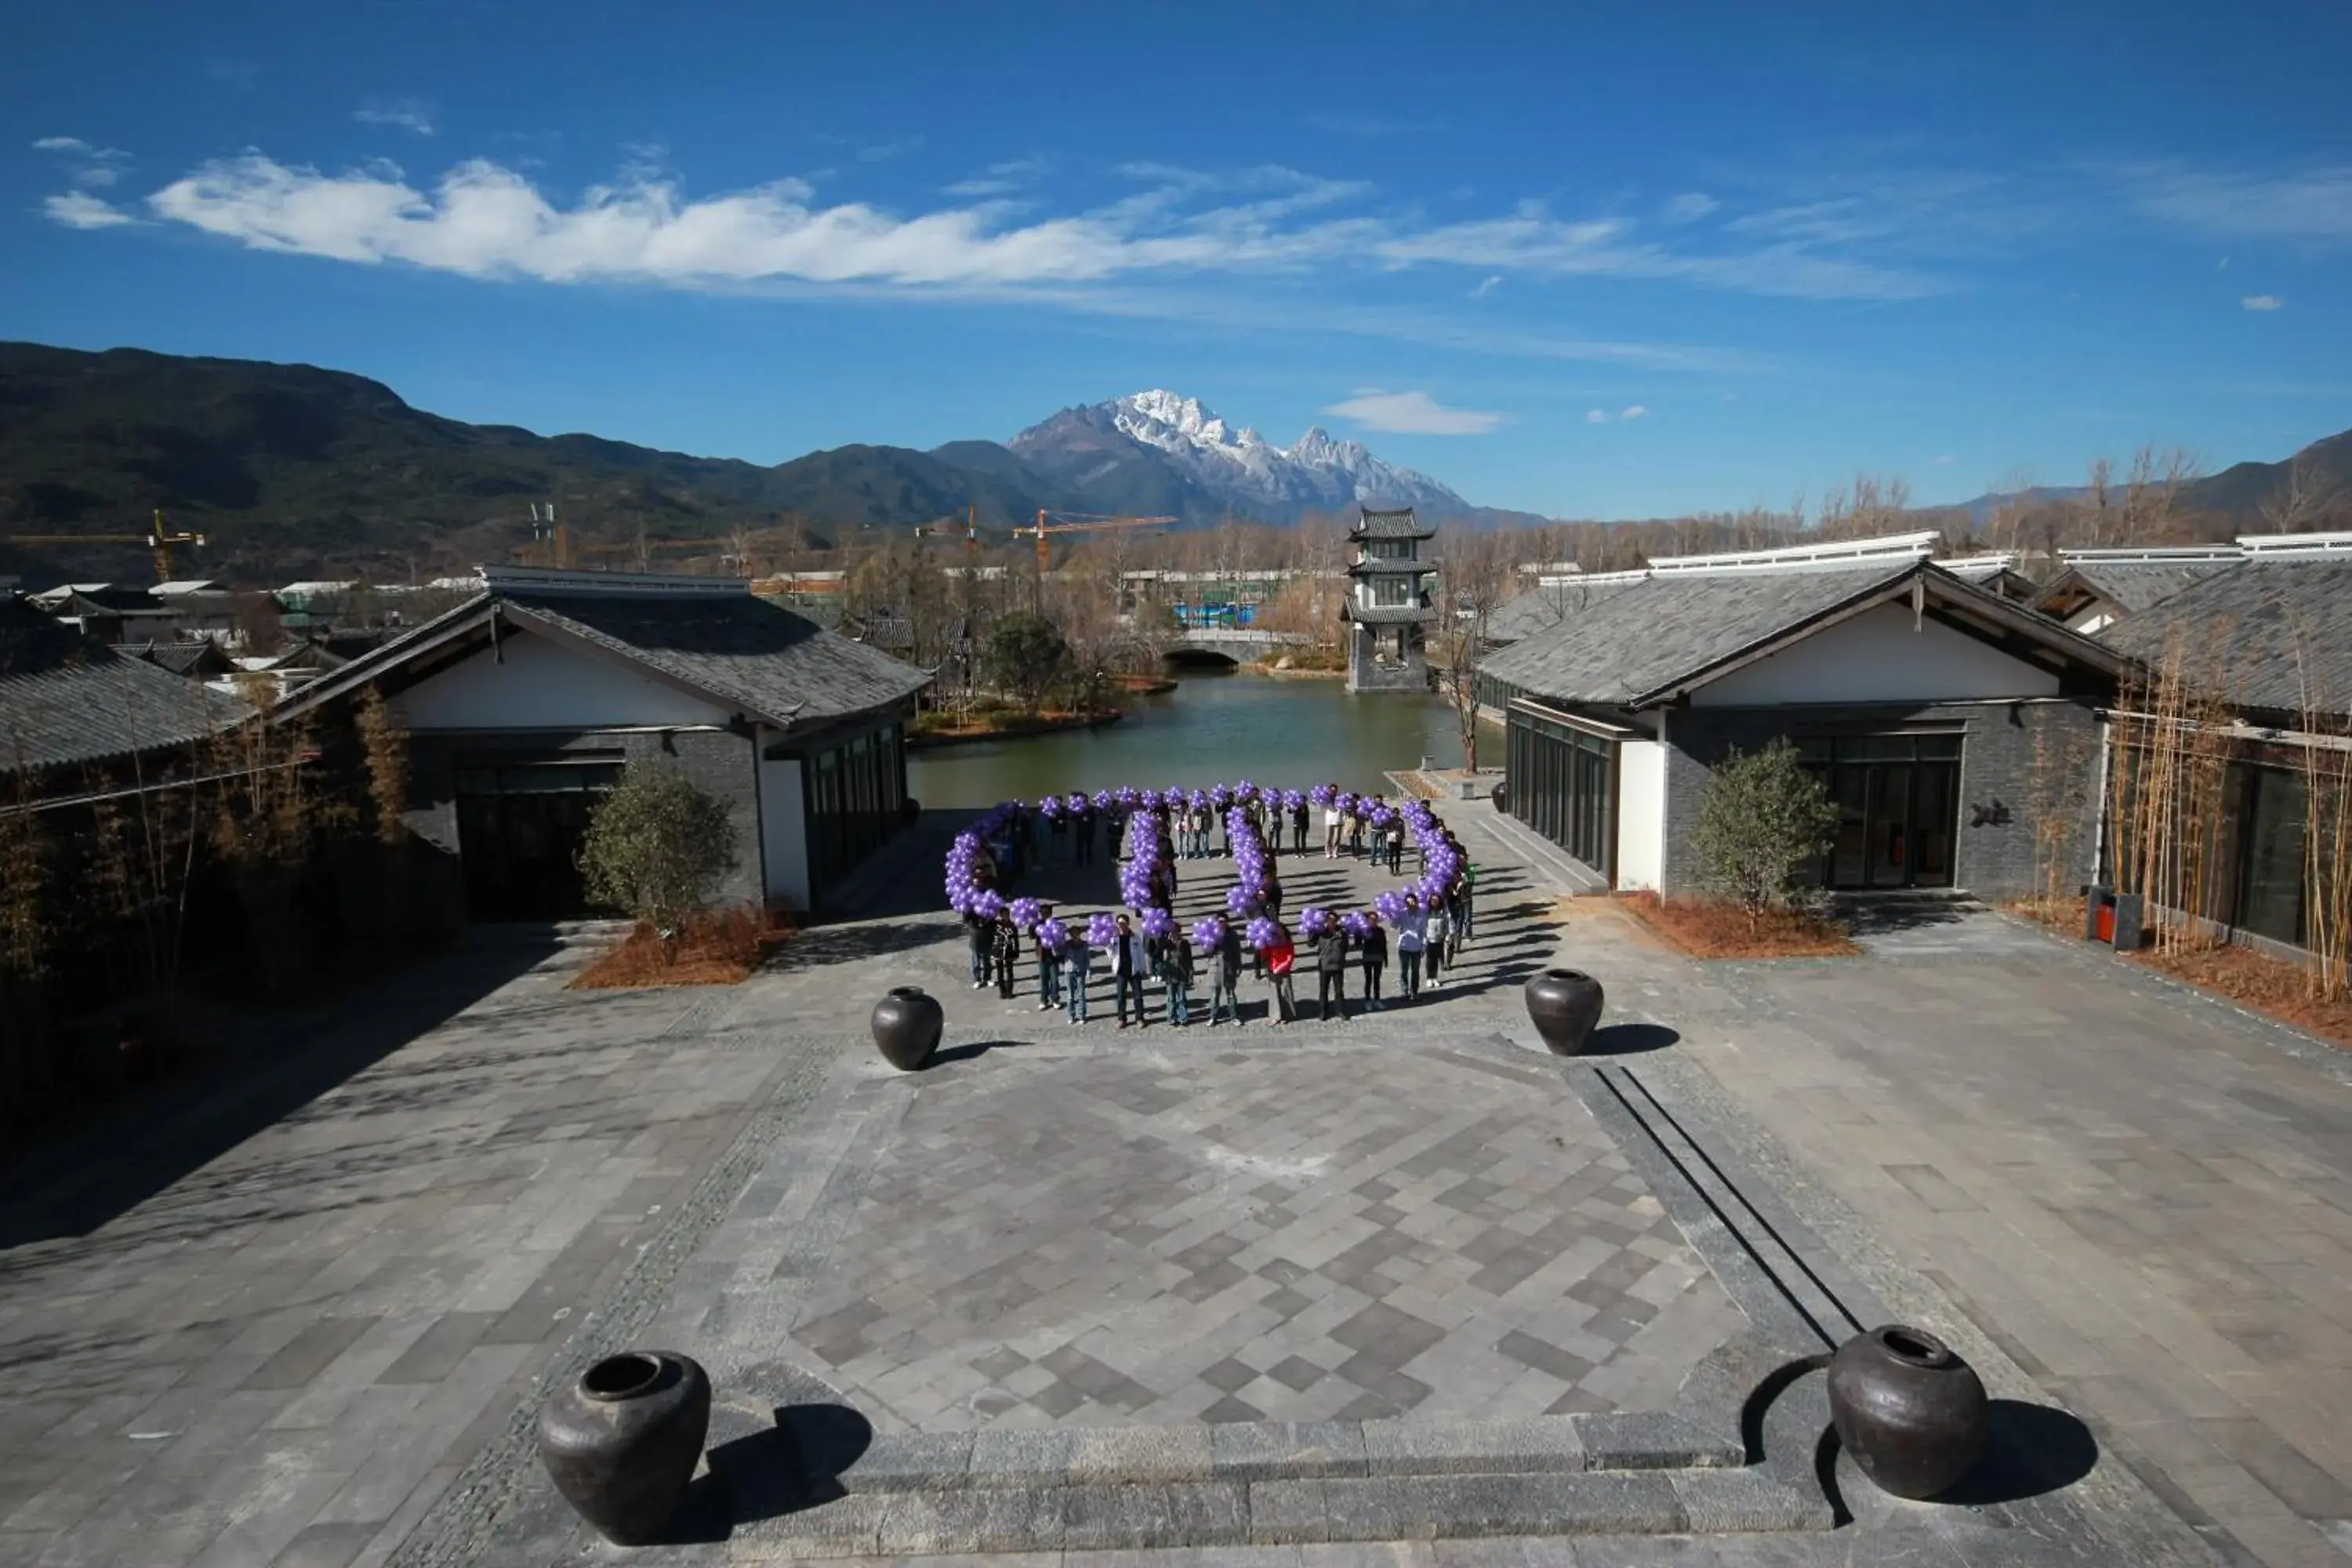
1211, 728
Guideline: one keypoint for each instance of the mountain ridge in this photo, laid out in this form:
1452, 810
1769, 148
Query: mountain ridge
297, 470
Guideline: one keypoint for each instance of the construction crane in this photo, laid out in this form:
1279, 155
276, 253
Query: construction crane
157, 539
971, 533
1081, 523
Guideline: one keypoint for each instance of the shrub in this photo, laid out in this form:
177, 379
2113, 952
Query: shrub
657, 846
1025, 658
1760, 818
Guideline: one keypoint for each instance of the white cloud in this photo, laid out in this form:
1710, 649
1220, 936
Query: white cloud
999, 179
2263, 302
1412, 413
1493, 280
1531, 240
79, 210
1942, 461
93, 165
883, 152
1691, 207
1634, 411
487, 219
403, 114
1596, 416
2315, 204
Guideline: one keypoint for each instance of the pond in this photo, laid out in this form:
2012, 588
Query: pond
1211, 728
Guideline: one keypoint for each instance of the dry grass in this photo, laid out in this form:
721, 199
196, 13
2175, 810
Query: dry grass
2272, 986
2266, 985
722, 947
1712, 927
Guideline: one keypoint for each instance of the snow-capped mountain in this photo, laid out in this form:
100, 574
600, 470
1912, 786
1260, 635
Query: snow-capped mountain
1111, 446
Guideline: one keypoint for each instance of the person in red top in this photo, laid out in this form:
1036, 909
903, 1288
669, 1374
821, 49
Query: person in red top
1280, 960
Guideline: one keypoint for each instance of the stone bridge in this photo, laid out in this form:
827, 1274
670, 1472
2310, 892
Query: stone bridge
1229, 644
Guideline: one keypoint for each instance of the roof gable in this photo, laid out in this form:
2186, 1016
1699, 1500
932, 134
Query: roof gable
2269, 635
1663, 638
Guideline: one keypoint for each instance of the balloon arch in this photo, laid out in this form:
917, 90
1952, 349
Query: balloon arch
1146, 889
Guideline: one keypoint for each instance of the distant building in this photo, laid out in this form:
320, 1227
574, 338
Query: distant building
523, 704
1918, 697
1388, 602
2269, 639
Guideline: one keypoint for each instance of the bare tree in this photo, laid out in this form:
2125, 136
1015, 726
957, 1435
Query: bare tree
1472, 581
2303, 502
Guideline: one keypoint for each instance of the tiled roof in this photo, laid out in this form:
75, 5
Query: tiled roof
761, 656
747, 652
202, 657
1386, 615
2268, 632
1544, 606
65, 700
2133, 586
1398, 524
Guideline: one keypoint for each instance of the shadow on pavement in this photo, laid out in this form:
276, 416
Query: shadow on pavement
1629, 1039
286, 1060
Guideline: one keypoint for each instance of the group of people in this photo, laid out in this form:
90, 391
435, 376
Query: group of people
1426, 942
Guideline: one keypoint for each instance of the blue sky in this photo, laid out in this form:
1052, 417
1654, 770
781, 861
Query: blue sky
1684, 257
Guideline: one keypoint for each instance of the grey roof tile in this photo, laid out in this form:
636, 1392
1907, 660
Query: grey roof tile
1652, 633
2134, 586
1397, 524
748, 650
65, 700
2267, 634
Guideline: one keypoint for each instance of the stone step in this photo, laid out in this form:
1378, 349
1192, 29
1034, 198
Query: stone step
1237, 1513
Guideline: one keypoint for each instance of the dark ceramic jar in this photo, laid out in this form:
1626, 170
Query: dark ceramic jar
1565, 1004
622, 1440
1912, 1413
907, 1025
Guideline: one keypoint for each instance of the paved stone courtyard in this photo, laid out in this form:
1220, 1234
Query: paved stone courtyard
1142, 1236
305, 1318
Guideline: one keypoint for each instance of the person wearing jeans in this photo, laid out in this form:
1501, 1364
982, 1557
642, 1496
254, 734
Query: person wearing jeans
1376, 961
1049, 977
1332, 974
1176, 976
1129, 963
1409, 948
1434, 936
1280, 960
979, 937
1076, 958
1225, 977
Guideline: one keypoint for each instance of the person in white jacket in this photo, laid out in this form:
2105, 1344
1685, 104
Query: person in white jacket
1434, 930
1408, 947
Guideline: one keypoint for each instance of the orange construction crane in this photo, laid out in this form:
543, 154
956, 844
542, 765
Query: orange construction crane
156, 538
1080, 523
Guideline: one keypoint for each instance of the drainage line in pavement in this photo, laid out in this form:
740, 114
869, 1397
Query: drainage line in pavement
1831, 1297
1684, 1171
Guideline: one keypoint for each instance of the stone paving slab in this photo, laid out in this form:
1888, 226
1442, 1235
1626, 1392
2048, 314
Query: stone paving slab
1130, 1237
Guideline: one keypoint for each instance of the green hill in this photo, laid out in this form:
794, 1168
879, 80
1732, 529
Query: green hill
290, 470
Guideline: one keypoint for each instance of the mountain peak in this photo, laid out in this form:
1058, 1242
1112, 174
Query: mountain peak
1237, 468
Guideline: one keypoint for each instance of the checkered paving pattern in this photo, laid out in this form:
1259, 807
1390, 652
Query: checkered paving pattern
1135, 1238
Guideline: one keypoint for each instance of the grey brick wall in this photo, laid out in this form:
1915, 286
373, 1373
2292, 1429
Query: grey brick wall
721, 763
1995, 858
1364, 675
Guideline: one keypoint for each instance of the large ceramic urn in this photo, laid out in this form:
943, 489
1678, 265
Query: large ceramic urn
622, 1440
1912, 1413
907, 1024
1565, 1004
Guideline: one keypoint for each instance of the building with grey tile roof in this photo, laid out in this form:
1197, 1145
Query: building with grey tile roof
1901, 684
2273, 637
68, 703
2091, 595
525, 702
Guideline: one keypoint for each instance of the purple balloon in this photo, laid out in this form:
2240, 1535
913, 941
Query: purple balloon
1102, 931
1158, 922
1263, 933
1208, 933
1052, 936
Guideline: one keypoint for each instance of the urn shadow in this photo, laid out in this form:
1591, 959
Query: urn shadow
1630, 1039
794, 1465
2029, 1450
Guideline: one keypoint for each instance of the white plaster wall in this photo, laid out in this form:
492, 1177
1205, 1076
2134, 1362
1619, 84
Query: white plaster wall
1877, 657
543, 685
783, 827
1641, 815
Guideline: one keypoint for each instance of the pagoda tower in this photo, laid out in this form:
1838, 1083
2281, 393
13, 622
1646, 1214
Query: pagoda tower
1388, 602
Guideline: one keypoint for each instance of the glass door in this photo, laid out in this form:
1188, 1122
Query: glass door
1891, 833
